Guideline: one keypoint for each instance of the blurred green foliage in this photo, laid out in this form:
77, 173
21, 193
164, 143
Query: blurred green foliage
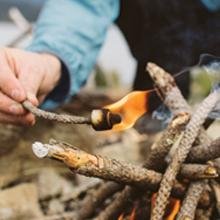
105, 79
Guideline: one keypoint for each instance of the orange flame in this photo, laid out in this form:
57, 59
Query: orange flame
132, 216
121, 217
172, 208
130, 108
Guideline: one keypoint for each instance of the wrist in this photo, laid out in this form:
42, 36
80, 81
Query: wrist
53, 67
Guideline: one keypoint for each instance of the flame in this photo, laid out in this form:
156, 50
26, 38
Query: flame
121, 217
175, 207
172, 208
130, 108
132, 216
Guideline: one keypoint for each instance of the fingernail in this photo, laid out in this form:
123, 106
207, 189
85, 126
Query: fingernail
16, 94
16, 109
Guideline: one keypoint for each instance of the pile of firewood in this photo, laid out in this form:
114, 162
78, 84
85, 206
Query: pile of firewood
178, 180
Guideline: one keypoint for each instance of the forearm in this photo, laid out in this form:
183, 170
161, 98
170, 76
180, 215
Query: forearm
74, 31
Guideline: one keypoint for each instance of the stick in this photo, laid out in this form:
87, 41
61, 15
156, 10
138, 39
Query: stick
198, 171
173, 97
182, 151
167, 87
126, 197
100, 119
110, 169
96, 198
216, 188
81, 189
205, 152
97, 166
54, 116
191, 200
155, 159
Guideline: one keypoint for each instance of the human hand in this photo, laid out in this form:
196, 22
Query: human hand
25, 75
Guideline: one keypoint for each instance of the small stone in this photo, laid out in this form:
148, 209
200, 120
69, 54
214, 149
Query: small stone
20, 202
55, 207
49, 183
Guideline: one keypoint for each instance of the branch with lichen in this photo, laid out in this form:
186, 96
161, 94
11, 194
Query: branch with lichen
191, 200
110, 169
155, 159
96, 197
205, 152
172, 96
189, 136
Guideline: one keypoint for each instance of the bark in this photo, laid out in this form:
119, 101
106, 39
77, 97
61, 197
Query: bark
189, 136
191, 201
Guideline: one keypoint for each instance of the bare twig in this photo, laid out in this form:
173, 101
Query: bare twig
54, 116
97, 166
216, 188
116, 207
191, 200
95, 198
110, 169
80, 189
167, 87
187, 140
155, 159
100, 119
173, 97
198, 171
205, 152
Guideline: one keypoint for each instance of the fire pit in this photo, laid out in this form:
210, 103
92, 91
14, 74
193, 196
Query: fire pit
179, 178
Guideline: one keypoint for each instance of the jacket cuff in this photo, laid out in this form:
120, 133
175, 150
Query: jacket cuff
66, 86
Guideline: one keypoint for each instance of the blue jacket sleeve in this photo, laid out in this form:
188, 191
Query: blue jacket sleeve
212, 5
74, 31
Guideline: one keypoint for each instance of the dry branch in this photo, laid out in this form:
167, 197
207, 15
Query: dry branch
97, 166
155, 159
173, 97
95, 198
110, 169
54, 116
216, 188
181, 153
205, 152
198, 171
168, 89
116, 207
100, 119
191, 200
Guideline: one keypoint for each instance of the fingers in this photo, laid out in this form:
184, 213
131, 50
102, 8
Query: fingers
30, 81
9, 106
27, 119
9, 83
